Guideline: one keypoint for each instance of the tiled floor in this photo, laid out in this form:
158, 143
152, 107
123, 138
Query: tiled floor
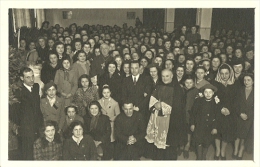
211, 153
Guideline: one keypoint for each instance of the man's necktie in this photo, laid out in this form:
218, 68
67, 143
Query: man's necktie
134, 80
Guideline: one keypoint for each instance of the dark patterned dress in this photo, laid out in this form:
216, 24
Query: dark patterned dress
80, 96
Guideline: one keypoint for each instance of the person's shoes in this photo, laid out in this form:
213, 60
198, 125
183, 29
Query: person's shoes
223, 158
216, 157
234, 156
239, 158
185, 154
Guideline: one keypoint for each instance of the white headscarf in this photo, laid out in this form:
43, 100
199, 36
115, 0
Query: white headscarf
231, 78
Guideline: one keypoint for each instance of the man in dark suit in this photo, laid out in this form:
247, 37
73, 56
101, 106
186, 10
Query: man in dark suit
31, 116
137, 90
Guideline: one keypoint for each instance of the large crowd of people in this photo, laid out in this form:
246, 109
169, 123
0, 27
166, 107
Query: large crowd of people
98, 92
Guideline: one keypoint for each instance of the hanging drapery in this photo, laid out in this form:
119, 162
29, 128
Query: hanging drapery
40, 17
22, 18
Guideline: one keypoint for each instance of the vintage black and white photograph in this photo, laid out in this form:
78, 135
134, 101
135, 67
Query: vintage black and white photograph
131, 84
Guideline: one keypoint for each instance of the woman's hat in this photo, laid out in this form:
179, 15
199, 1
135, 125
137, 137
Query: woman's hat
48, 85
209, 86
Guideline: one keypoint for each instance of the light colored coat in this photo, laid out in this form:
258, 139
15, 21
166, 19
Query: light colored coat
111, 110
50, 113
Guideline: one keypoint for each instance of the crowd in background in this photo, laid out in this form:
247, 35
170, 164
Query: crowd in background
107, 92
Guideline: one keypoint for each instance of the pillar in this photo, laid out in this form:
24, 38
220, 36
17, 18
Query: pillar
169, 19
22, 18
203, 19
40, 17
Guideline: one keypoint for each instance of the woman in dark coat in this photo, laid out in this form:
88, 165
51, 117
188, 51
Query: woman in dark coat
98, 126
49, 68
113, 80
227, 122
79, 146
245, 115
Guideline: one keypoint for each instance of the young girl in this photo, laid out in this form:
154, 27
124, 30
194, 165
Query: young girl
79, 146
97, 125
82, 65
126, 69
200, 77
66, 81
49, 145
204, 120
110, 107
52, 106
179, 73
60, 50
71, 112
85, 94
119, 61
189, 65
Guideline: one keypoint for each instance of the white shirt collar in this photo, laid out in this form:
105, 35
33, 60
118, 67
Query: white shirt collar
28, 87
77, 140
137, 77
52, 101
50, 140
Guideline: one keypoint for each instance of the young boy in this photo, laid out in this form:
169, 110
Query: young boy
204, 120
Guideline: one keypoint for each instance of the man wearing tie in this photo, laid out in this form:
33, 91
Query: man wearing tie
31, 116
137, 90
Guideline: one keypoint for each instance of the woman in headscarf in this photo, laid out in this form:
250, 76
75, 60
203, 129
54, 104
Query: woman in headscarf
66, 81
227, 123
98, 127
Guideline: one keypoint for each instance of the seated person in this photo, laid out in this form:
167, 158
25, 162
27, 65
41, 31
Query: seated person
129, 133
52, 106
79, 146
71, 112
98, 126
49, 145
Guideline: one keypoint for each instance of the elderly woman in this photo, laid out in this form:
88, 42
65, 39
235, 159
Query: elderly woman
49, 145
79, 146
245, 113
52, 106
66, 80
85, 94
97, 125
227, 119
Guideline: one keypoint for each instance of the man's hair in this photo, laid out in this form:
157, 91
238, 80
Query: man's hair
135, 62
127, 102
24, 70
